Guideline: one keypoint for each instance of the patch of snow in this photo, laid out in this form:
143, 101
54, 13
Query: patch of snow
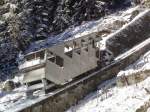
114, 99
8, 100
142, 64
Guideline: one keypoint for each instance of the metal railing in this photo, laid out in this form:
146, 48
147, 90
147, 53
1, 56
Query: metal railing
32, 63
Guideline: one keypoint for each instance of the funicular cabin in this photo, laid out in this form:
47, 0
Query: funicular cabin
33, 69
61, 63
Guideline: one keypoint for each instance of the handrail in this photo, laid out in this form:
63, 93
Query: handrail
32, 63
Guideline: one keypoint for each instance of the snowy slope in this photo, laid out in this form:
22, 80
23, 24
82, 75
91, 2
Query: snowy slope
16, 97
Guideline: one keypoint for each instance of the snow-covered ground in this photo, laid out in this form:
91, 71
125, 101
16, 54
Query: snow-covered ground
108, 24
9, 99
127, 99
141, 65
110, 98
